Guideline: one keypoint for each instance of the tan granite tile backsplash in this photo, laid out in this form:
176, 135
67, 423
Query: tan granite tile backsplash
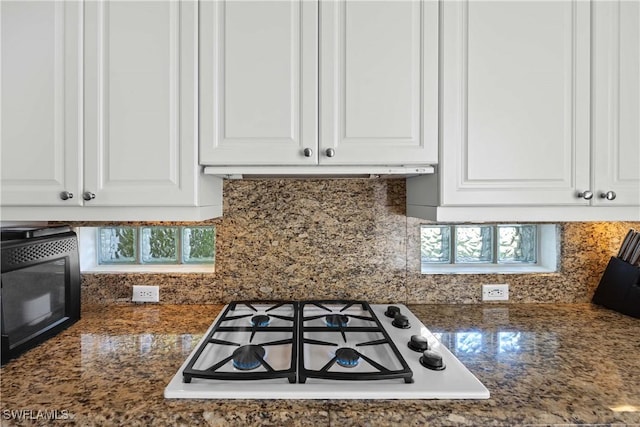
301, 239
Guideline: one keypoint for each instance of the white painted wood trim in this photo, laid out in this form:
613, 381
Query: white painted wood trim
110, 213
523, 213
311, 171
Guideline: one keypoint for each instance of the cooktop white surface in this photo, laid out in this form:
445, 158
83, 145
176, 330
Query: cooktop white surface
454, 382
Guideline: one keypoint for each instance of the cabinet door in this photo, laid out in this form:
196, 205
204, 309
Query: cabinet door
379, 82
258, 76
41, 111
616, 102
516, 99
141, 102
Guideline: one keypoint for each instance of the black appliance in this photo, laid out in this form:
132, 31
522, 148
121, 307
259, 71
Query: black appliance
39, 288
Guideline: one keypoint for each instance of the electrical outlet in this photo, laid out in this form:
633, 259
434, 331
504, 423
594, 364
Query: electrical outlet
495, 292
145, 294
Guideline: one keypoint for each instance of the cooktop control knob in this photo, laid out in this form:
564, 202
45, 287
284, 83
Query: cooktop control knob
392, 311
432, 360
418, 343
401, 321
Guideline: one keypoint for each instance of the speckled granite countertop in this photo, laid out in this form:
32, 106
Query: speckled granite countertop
544, 365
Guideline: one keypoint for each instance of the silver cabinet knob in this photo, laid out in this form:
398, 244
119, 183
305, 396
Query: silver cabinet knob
330, 152
308, 152
587, 195
65, 195
88, 195
609, 195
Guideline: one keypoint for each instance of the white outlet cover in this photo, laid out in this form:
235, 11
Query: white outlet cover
494, 292
143, 293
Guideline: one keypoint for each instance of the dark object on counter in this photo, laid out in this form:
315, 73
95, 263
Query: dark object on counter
625, 244
619, 288
634, 259
40, 286
630, 248
15, 233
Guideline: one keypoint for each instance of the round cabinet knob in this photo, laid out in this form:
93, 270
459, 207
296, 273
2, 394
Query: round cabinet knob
330, 152
65, 195
88, 195
609, 195
587, 195
308, 152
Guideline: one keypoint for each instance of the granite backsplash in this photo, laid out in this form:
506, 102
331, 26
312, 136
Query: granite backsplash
348, 238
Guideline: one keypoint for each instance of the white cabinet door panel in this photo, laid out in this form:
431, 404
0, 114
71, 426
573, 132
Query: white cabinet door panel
515, 102
259, 82
140, 64
379, 82
41, 111
616, 103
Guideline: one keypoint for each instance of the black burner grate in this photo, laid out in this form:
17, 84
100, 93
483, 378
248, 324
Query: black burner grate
246, 359
237, 347
346, 354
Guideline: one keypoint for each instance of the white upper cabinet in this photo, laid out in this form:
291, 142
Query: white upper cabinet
540, 113
278, 88
616, 103
103, 103
378, 82
141, 102
258, 82
41, 111
516, 102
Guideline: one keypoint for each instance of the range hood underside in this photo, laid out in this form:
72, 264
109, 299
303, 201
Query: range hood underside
307, 172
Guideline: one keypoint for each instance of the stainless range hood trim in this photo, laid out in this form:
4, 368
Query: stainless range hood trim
264, 172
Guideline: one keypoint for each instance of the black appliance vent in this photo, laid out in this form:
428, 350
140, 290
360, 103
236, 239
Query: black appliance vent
40, 251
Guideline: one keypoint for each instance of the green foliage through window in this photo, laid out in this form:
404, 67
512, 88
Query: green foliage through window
479, 244
117, 245
159, 245
196, 244
156, 245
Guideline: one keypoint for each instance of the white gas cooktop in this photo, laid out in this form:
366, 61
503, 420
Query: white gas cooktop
321, 350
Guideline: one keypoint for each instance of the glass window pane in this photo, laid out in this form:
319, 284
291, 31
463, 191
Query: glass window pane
517, 244
117, 245
159, 245
509, 342
435, 244
468, 343
474, 244
198, 245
